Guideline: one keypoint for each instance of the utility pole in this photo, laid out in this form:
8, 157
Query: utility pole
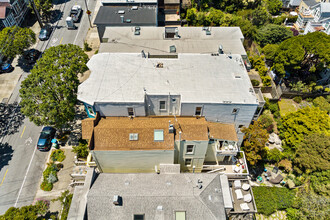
88, 14
37, 13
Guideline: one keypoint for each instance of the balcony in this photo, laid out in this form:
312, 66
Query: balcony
230, 165
225, 147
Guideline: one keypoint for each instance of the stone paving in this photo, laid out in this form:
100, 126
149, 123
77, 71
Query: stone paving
279, 215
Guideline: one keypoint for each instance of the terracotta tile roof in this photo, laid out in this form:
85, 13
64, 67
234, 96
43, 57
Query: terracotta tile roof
113, 133
87, 126
191, 129
222, 131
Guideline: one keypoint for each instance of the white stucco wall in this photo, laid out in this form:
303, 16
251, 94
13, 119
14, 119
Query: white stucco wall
120, 109
172, 104
132, 161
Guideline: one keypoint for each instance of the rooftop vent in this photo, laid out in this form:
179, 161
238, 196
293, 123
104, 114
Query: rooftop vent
116, 199
159, 65
121, 12
143, 56
172, 49
214, 54
134, 7
122, 18
220, 50
228, 102
160, 208
137, 30
208, 32
133, 136
128, 20
171, 129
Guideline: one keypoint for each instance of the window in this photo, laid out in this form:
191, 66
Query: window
235, 111
180, 215
198, 111
130, 111
90, 110
133, 136
187, 162
162, 105
138, 217
190, 149
158, 135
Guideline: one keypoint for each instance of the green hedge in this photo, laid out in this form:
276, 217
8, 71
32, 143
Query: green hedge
270, 199
58, 155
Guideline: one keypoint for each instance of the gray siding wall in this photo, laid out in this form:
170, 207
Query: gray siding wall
197, 156
119, 109
132, 161
172, 104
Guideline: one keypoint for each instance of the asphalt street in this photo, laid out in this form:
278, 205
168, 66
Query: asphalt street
21, 164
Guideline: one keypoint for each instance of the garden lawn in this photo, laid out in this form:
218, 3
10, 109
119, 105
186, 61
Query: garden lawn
271, 199
287, 106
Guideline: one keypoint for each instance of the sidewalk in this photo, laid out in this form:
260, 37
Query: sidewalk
64, 180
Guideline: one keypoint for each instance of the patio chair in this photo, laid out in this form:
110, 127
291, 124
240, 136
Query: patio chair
237, 184
244, 207
247, 198
245, 186
239, 194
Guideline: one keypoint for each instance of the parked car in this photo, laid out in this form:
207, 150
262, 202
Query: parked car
6, 67
32, 55
45, 138
75, 13
45, 32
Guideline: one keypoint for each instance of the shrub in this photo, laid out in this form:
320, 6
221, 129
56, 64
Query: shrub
255, 82
81, 150
42, 206
266, 80
286, 165
51, 168
270, 199
266, 122
58, 155
322, 103
273, 107
274, 155
59, 166
46, 186
87, 47
297, 99
52, 178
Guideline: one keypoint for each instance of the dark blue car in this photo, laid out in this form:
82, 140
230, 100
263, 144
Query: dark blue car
6, 67
45, 138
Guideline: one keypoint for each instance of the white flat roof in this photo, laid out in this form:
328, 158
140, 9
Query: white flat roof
198, 78
191, 40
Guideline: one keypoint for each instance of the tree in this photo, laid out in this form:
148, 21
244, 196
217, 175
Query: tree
320, 182
260, 16
213, 18
266, 122
43, 7
313, 153
309, 205
274, 155
270, 51
322, 103
274, 6
81, 150
272, 34
309, 52
247, 28
49, 93
255, 139
306, 121
14, 40
191, 16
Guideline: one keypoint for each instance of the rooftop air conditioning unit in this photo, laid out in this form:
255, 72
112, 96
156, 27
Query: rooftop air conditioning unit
121, 12
116, 199
134, 7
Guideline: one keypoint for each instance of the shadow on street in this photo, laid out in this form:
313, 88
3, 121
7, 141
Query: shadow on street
6, 153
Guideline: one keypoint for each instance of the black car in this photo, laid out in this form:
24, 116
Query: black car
45, 32
45, 138
31, 56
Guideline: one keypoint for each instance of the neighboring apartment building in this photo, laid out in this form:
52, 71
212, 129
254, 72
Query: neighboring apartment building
143, 144
313, 16
12, 12
190, 73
